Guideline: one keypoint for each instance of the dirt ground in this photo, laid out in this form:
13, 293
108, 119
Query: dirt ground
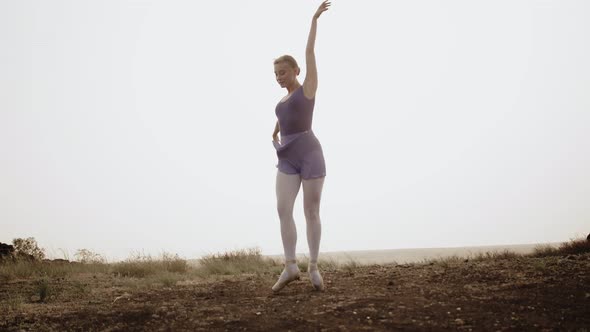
518, 294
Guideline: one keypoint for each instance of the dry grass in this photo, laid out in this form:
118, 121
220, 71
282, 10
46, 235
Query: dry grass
479, 257
505, 254
140, 266
251, 261
128, 294
23, 269
168, 279
572, 247
168, 269
235, 262
444, 261
12, 302
350, 265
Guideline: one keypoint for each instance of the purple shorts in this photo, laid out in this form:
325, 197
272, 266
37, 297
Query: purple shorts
302, 154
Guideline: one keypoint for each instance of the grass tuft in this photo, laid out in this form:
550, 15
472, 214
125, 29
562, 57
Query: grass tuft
43, 289
505, 254
140, 266
173, 263
350, 265
445, 261
235, 262
544, 250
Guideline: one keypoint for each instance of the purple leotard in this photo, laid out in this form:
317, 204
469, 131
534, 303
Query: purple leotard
300, 151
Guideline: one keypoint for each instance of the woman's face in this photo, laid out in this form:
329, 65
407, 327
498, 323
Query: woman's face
284, 74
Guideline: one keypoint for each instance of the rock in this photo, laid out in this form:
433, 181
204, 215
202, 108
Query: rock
6, 252
459, 321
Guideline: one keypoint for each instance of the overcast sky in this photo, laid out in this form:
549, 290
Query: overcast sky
147, 125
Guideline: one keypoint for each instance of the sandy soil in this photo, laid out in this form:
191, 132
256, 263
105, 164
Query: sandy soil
540, 294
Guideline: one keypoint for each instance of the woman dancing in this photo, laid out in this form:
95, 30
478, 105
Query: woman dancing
300, 159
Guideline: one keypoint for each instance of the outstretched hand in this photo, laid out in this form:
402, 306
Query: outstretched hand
323, 7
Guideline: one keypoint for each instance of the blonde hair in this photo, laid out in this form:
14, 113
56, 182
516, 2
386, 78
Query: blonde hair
288, 59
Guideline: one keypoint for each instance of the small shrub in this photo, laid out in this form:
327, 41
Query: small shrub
86, 256
28, 248
575, 247
43, 289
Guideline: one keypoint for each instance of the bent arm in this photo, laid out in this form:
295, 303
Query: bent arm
277, 129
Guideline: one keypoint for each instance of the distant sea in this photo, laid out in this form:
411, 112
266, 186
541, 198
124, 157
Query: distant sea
415, 255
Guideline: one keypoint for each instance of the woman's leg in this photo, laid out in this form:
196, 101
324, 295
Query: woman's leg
312, 194
287, 189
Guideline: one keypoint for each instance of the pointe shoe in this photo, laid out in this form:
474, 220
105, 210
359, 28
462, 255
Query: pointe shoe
290, 273
316, 278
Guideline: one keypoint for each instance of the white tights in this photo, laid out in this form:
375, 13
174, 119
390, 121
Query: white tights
287, 188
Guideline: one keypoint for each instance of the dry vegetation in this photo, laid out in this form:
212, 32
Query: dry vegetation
130, 295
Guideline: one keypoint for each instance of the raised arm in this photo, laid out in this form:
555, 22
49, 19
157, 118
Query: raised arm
310, 84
